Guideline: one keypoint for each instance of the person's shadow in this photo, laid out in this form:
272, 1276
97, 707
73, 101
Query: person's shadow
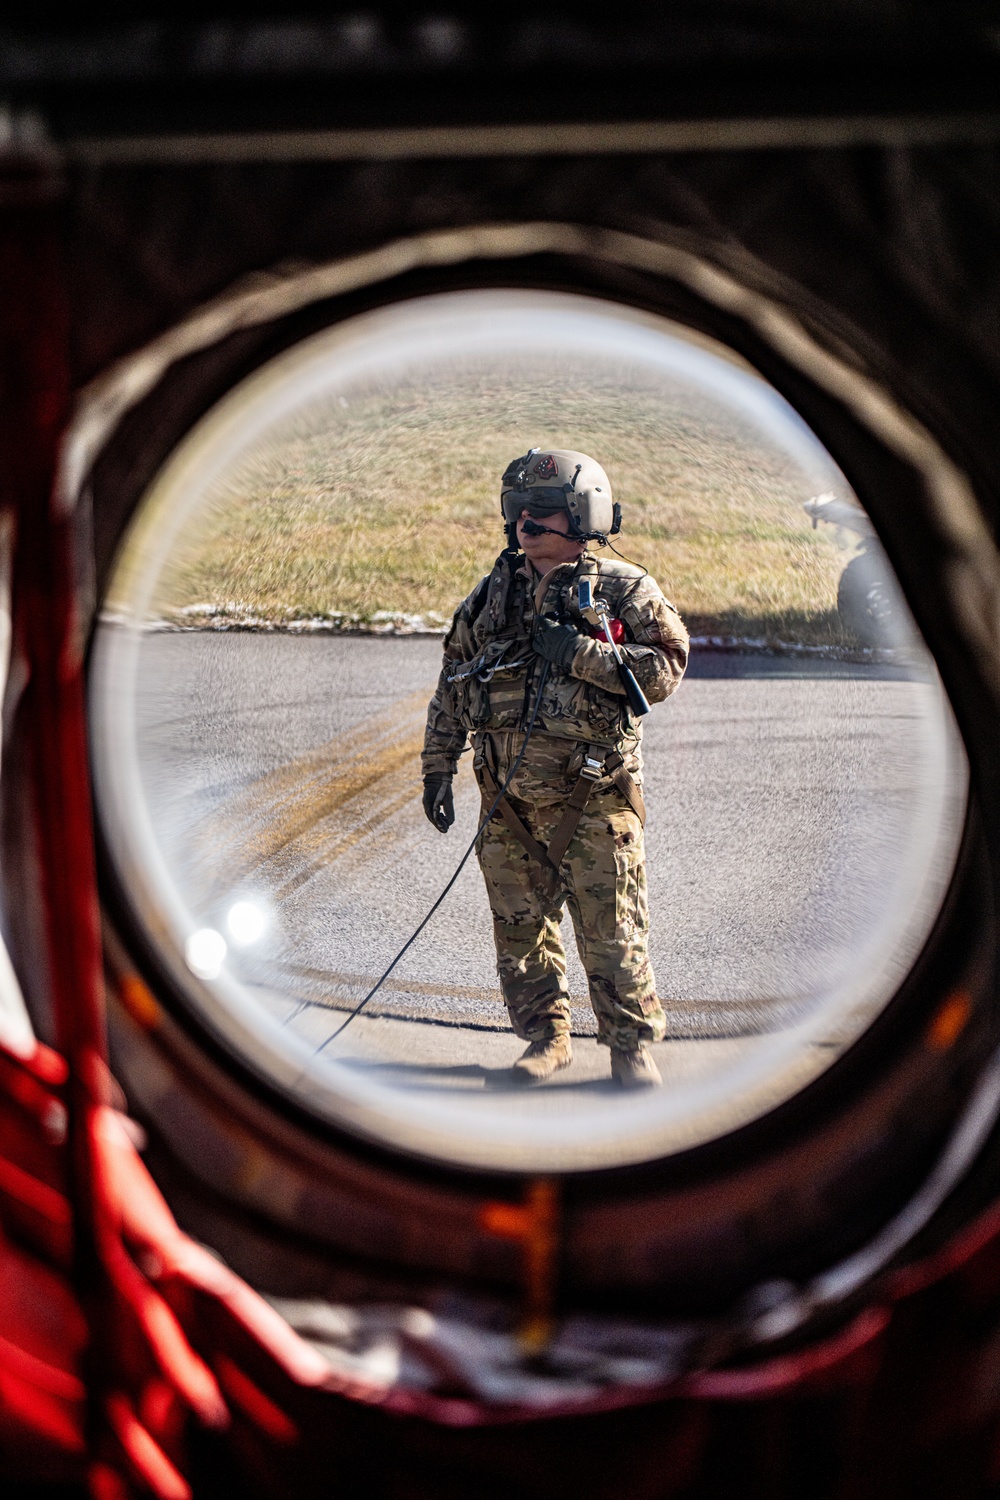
422, 1076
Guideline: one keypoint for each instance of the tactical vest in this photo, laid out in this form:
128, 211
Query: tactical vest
495, 689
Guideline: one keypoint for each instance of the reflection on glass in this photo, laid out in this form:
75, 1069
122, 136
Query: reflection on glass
272, 635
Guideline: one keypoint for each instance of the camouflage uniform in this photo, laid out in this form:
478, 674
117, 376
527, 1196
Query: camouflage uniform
602, 877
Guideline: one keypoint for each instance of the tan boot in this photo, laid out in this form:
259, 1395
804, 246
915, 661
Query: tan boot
634, 1070
542, 1059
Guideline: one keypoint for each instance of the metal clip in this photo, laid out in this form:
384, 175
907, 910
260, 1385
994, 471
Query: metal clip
490, 660
593, 769
486, 674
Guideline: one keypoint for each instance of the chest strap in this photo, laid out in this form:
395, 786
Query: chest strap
549, 859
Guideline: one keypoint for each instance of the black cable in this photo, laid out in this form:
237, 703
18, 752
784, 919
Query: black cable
609, 543
461, 866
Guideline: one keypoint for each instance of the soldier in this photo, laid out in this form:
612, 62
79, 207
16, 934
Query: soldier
569, 829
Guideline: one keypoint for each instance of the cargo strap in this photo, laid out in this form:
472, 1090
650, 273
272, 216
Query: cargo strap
593, 771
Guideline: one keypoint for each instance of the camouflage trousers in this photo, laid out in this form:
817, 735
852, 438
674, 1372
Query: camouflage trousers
602, 880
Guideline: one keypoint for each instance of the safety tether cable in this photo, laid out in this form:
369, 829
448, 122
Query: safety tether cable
460, 867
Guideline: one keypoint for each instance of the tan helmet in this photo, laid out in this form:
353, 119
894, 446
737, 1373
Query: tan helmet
549, 479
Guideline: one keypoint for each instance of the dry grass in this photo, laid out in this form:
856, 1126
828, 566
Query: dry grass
391, 504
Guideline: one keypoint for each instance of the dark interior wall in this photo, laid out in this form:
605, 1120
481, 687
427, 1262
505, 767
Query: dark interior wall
890, 248
889, 229
893, 247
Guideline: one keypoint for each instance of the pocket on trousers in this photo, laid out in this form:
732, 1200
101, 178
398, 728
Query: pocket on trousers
631, 906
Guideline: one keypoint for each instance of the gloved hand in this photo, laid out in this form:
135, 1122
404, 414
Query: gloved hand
439, 804
556, 643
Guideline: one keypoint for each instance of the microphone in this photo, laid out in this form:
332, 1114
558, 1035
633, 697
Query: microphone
531, 527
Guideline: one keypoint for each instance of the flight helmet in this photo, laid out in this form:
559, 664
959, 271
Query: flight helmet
547, 480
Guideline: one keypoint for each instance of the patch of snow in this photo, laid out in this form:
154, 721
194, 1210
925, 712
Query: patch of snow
233, 616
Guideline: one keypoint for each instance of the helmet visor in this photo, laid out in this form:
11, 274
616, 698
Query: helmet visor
537, 501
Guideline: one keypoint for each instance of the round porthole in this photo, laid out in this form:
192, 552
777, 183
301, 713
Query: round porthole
292, 492
271, 636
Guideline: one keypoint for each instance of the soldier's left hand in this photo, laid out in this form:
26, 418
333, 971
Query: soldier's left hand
555, 642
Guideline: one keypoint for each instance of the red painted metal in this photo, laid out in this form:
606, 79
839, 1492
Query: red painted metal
120, 1370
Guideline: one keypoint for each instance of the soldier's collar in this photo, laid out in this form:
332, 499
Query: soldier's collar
541, 584
529, 571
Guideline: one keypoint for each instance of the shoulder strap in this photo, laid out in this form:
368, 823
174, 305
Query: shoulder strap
498, 593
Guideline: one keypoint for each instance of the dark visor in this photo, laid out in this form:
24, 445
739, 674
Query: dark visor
538, 500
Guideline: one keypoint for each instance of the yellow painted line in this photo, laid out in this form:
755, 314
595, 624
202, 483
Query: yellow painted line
287, 813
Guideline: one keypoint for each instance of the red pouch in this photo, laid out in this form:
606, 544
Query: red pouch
617, 631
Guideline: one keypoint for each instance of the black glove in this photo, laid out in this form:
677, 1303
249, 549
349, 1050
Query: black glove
439, 804
556, 643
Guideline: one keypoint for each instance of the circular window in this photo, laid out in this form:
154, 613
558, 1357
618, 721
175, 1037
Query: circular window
271, 637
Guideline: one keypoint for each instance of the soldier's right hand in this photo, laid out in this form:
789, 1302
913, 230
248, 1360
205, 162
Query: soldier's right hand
439, 804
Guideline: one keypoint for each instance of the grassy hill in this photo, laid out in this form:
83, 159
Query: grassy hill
388, 502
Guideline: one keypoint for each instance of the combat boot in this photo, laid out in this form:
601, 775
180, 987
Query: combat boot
542, 1059
635, 1069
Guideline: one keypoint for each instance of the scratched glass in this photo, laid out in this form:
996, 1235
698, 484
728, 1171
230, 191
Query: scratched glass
272, 634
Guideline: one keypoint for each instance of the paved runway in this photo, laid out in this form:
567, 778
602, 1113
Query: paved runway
803, 819
799, 832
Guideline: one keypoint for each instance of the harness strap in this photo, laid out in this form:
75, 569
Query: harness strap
551, 858
517, 828
569, 822
615, 766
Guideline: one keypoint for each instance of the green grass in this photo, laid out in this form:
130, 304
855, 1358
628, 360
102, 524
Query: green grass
391, 504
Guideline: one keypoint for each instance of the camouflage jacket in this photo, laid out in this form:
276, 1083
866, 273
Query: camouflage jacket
490, 673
